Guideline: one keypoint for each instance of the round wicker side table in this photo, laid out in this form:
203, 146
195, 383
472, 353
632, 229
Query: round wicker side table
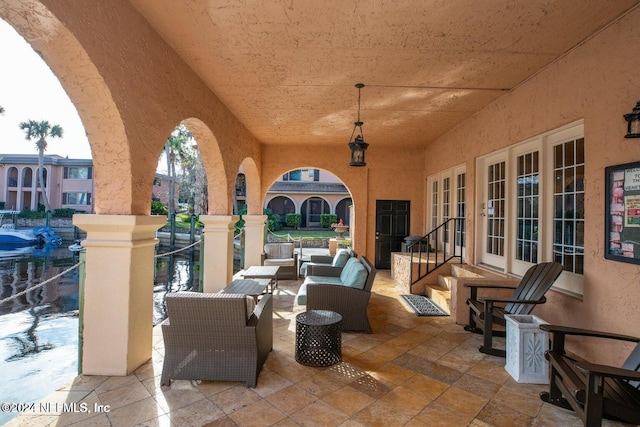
318, 338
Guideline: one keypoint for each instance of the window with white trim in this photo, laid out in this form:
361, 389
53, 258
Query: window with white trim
76, 198
568, 205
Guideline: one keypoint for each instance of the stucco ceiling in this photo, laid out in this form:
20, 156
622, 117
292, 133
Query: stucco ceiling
287, 68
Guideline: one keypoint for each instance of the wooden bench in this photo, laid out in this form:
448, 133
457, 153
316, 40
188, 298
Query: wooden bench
593, 391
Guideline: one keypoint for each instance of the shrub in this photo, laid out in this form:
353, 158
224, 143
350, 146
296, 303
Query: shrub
159, 208
1, 205
64, 213
294, 220
274, 222
327, 219
29, 214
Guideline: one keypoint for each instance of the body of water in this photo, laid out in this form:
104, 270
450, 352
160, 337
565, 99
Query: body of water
39, 330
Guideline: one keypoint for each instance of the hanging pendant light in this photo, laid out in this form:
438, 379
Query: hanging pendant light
357, 145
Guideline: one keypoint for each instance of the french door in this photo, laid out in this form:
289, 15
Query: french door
446, 196
493, 210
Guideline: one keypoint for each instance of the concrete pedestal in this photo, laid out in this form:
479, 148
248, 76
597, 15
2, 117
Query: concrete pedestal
526, 345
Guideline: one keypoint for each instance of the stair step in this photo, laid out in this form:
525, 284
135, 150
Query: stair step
440, 295
445, 281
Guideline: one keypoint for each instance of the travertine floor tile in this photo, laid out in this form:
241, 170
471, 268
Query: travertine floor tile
412, 371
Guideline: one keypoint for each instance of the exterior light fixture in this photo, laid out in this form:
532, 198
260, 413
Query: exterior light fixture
633, 122
357, 145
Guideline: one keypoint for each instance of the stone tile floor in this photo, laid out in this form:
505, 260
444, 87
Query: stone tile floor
412, 371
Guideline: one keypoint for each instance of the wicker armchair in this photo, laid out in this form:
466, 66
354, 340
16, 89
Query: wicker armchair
282, 255
213, 337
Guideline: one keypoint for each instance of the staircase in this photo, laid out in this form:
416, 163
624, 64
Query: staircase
436, 256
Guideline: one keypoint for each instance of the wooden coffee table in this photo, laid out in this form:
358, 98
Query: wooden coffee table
253, 288
262, 272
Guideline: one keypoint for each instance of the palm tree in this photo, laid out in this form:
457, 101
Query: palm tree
40, 131
174, 148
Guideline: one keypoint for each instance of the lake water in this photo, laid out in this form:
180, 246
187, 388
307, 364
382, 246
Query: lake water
39, 330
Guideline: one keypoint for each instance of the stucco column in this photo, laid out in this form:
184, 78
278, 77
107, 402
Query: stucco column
118, 293
217, 265
253, 238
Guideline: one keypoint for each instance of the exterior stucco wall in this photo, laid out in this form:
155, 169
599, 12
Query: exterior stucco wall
381, 179
598, 82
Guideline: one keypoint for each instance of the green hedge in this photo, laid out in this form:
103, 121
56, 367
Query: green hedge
294, 220
327, 219
64, 213
29, 214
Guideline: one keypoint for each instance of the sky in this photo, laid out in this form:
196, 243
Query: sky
30, 91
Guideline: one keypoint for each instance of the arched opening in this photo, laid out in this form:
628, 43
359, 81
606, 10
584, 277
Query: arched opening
11, 199
282, 205
180, 182
310, 193
343, 210
312, 210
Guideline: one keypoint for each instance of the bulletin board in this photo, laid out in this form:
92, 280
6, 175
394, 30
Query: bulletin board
622, 217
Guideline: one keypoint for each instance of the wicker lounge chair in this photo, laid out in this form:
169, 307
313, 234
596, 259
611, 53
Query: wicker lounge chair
213, 337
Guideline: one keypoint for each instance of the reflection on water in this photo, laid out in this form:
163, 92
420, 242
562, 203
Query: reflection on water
174, 273
39, 330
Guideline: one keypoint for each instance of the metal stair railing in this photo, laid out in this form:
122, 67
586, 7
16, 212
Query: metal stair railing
437, 253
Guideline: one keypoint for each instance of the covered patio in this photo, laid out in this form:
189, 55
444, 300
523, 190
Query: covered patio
412, 371
471, 110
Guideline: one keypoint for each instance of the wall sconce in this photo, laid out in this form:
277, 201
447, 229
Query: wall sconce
633, 122
357, 145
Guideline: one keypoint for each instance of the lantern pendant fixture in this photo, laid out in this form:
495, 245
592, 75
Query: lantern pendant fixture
633, 122
357, 145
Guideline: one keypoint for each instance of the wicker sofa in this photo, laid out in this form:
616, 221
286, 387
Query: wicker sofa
344, 290
338, 260
215, 337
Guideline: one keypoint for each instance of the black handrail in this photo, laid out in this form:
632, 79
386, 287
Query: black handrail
436, 251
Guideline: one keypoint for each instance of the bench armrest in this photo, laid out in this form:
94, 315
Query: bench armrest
508, 300
608, 371
567, 330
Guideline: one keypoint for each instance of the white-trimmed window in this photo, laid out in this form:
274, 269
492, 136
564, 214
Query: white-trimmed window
77, 172
76, 198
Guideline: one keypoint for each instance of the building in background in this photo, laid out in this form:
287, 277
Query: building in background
309, 192
68, 182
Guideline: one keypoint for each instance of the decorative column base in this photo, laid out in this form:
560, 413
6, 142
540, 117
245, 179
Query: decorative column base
526, 345
118, 292
217, 262
254, 239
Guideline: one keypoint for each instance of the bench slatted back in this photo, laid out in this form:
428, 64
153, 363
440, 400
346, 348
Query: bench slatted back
535, 283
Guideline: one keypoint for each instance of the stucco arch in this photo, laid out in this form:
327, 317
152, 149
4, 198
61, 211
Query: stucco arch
219, 185
275, 163
90, 95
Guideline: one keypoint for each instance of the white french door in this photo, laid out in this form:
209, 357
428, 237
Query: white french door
446, 193
493, 210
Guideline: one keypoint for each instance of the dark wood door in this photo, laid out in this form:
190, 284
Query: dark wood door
392, 226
